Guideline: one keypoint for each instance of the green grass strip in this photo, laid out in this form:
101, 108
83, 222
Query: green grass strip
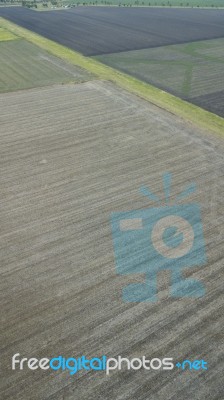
5, 35
190, 112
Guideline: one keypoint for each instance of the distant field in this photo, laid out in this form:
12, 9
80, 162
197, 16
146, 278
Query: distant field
193, 71
163, 99
24, 65
165, 3
103, 30
40, 6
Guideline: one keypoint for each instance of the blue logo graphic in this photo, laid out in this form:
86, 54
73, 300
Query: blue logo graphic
168, 237
192, 365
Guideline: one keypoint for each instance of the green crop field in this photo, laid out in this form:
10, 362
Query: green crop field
24, 65
187, 70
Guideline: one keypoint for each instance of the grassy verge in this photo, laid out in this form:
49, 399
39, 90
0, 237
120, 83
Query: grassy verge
187, 111
6, 35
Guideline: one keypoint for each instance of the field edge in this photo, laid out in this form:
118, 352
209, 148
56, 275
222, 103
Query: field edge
189, 112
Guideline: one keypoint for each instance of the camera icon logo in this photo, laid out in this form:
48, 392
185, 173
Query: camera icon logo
168, 237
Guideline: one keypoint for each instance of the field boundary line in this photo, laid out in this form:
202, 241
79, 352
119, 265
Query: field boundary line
189, 112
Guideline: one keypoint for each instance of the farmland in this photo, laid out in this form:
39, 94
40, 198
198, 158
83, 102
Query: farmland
162, 99
193, 71
103, 30
151, 3
71, 155
74, 148
42, 5
179, 51
157, 3
23, 65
